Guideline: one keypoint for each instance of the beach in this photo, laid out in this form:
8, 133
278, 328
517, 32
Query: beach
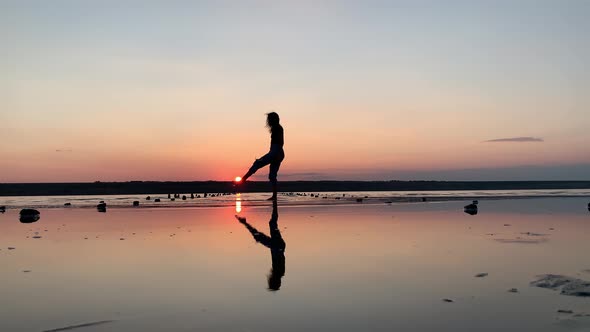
424, 266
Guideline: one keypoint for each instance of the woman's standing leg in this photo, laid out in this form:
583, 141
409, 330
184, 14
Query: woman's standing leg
272, 176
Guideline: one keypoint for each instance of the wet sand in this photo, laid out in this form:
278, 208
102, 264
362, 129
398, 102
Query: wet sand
348, 267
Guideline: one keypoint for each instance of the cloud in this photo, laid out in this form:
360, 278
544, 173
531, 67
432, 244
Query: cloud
514, 139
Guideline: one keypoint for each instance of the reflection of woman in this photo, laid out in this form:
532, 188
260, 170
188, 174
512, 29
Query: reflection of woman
274, 157
275, 243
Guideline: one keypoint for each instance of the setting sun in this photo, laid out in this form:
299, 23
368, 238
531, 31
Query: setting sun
238, 179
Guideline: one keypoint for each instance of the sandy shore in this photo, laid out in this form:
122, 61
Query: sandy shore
404, 267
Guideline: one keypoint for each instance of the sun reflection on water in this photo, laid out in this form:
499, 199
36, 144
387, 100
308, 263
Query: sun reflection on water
238, 203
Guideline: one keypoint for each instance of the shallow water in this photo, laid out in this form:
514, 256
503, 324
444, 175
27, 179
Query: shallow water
259, 199
362, 267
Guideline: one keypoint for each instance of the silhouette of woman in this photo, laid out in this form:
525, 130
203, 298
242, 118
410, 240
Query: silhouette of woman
274, 157
275, 243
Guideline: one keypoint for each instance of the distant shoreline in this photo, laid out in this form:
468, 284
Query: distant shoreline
154, 187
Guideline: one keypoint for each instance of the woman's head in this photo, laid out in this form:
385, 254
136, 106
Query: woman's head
272, 120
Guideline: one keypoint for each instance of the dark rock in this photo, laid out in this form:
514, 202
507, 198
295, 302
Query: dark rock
569, 286
562, 311
2, 209
168, 195
359, 200
102, 207
448, 300
172, 199
135, 203
157, 200
192, 196
471, 208
513, 290
28, 216
26, 212
148, 198
183, 197
481, 275
68, 204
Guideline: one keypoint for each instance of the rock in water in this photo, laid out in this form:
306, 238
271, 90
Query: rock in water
2, 209
471, 208
29, 215
569, 286
29, 212
157, 200
102, 207
67, 204
148, 198
562, 311
183, 197
135, 203
481, 275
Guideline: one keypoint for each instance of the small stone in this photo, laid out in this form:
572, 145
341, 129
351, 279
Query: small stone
481, 275
513, 290
562, 311
448, 300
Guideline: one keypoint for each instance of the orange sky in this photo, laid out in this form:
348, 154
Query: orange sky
173, 93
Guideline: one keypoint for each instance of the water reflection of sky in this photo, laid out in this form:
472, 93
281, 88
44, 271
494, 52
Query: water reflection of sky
349, 268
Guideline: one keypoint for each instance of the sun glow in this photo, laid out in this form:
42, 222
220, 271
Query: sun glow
238, 179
